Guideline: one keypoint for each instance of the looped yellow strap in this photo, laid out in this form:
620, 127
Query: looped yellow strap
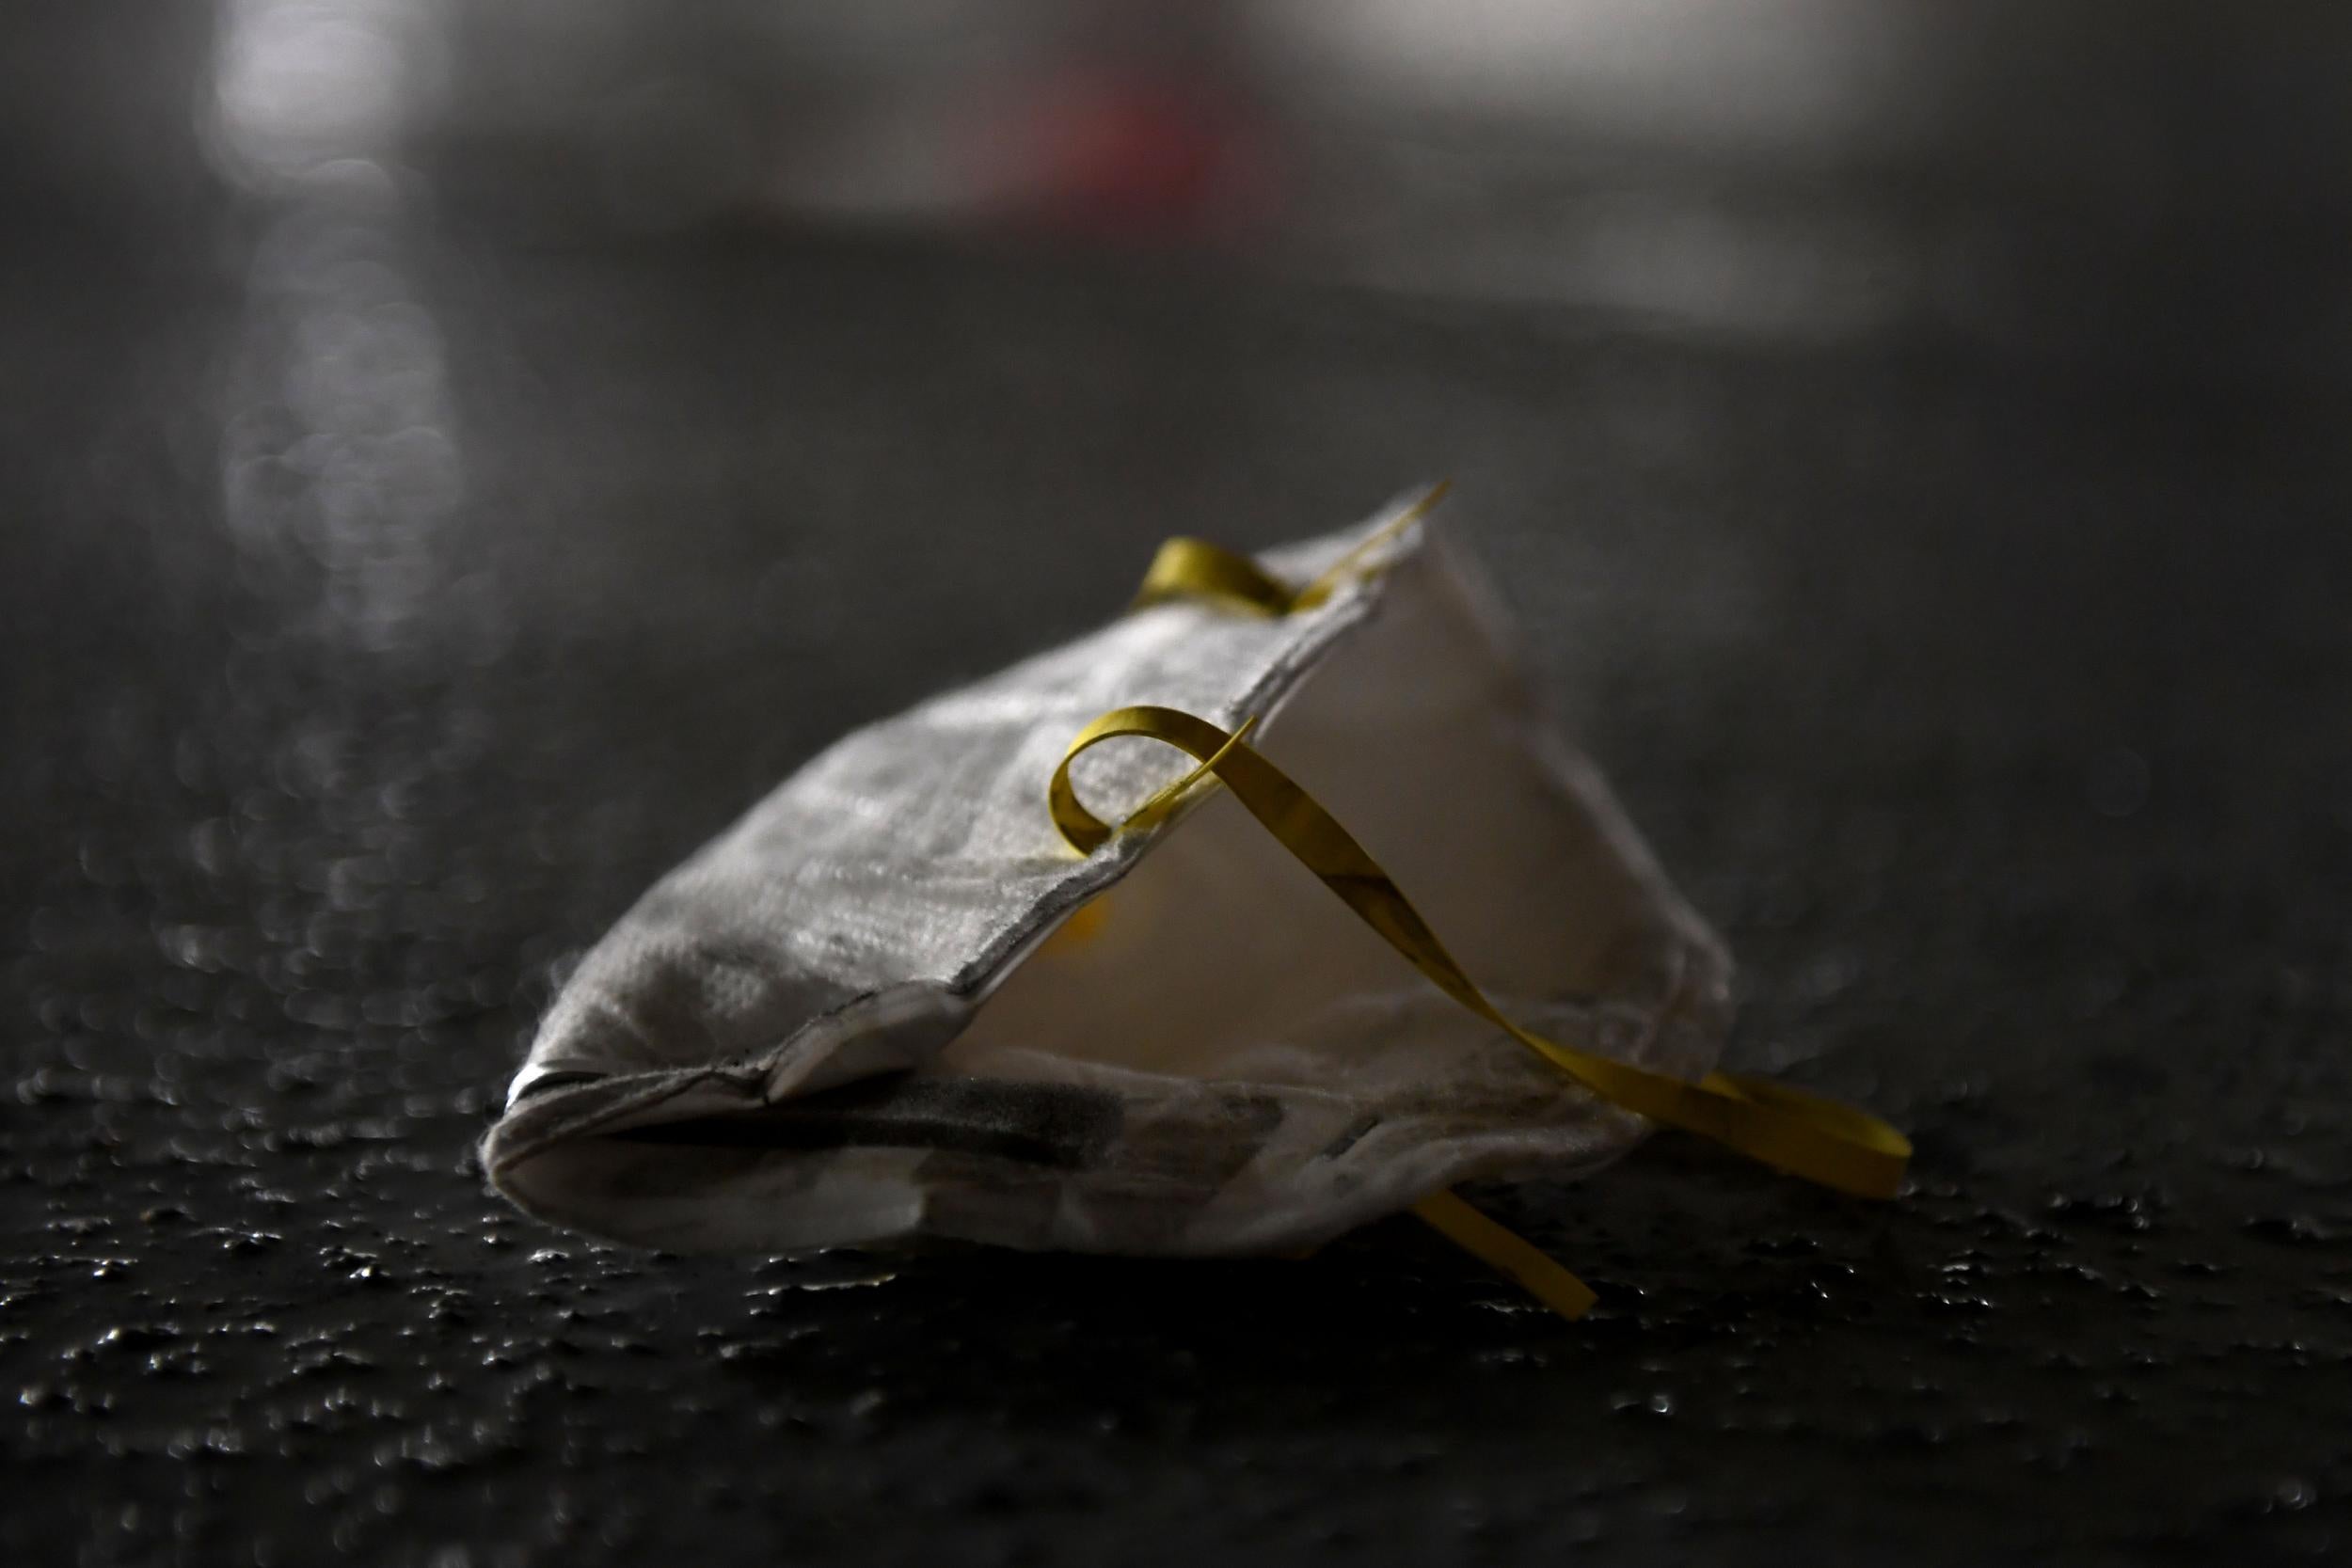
1821, 1140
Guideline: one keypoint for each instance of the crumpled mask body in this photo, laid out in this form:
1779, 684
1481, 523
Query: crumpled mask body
892, 1004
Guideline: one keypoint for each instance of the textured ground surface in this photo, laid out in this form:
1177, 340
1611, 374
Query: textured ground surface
382, 607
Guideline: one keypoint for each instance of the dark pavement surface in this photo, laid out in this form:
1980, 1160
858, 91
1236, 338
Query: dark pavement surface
385, 601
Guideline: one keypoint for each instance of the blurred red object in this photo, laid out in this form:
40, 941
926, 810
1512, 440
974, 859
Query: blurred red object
1132, 158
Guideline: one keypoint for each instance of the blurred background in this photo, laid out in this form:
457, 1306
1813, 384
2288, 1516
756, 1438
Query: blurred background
2043, 178
454, 457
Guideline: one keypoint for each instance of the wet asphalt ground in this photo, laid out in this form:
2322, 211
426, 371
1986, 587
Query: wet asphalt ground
387, 598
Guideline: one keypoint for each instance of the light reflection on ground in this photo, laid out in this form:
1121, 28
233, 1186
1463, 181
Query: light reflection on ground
341, 447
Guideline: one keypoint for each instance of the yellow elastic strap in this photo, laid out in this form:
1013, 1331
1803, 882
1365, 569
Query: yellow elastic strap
1196, 569
1505, 1253
1819, 1139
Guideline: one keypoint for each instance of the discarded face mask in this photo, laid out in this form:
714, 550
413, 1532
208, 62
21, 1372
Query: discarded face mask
925, 992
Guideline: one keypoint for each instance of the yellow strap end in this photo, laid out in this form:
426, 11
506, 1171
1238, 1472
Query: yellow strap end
1505, 1253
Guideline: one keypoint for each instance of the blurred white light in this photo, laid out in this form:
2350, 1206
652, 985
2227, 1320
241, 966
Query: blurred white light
343, 454
1757, 71
303, 82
